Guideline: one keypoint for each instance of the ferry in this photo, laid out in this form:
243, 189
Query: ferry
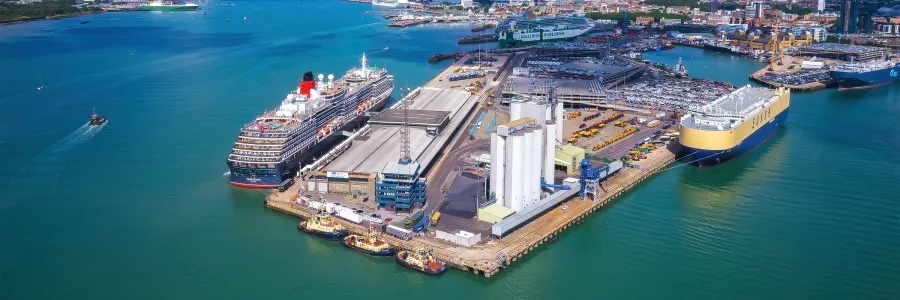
861, 75
421, 261
168, 6
324, 226
368, 244
523, 32
733, 125
269, 150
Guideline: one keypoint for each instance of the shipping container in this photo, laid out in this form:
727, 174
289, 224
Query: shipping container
349, 215
399, 232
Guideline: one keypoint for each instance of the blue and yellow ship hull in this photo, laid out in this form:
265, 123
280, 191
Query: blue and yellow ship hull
856, 80
710, 147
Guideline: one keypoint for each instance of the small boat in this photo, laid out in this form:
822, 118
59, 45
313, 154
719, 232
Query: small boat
322, 225
97, 120
421, 261
41, 87
368, 244
227, 20
85, 22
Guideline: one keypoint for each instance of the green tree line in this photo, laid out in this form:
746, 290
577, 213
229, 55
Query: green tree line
10, 12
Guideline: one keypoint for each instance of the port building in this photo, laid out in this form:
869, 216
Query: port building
371, 164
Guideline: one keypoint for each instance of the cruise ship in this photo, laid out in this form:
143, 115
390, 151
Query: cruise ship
860, 75
733, 124
269, 150
169, 6
391, 3
525, 32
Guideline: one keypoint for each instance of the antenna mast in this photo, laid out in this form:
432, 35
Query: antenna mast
404, 131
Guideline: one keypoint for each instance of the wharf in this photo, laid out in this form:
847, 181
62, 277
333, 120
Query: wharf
807, 87
490, 258
491, 255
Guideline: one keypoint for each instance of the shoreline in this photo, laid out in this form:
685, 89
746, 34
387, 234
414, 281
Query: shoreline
54, 17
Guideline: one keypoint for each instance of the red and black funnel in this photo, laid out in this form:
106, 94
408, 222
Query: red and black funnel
307, 84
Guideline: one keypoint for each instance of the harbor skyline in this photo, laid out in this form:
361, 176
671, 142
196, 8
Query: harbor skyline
141, 209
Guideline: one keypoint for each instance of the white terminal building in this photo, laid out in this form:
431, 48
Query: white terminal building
523, 154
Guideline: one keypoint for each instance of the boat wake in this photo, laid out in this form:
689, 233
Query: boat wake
78, 137
42, 173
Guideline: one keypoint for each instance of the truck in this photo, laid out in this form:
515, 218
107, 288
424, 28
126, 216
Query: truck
435, 218
653, 123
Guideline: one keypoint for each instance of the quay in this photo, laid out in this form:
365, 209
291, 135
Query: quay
492, 257
791, 78
444, 124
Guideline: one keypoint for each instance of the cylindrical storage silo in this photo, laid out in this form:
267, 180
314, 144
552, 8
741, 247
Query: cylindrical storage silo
498, 153
537, 159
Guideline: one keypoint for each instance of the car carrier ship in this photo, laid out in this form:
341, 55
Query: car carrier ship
269, 150
861, 75
733, 125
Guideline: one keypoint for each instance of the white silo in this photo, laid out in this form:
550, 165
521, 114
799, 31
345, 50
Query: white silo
514, 170
515, 110
549, 153
537, 159
498, 169
527, 171
559, 122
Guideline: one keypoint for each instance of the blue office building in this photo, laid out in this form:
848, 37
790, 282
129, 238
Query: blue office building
400, 187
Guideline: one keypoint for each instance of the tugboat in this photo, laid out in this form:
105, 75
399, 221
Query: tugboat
368, 244
322, 225
97, 120
421, 261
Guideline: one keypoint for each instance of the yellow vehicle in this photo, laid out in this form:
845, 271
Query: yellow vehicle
491, 95
490, 103
435, 218
573, 140
440, 78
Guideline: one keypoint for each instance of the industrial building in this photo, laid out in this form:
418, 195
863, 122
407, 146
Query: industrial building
523, 155
567, 158
576, 83
373, 166
843, 51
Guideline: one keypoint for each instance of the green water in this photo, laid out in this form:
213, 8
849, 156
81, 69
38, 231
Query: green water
141, 210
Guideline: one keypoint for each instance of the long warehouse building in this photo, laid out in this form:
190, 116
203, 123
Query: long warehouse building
433, 114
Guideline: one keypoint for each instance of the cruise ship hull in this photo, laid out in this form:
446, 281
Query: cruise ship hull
170, 7
854, 80
705, 157
289, 167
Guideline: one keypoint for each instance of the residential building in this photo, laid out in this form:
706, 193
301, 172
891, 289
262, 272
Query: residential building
644, 20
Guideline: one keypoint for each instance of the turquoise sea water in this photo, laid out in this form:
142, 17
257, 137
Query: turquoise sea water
141, 210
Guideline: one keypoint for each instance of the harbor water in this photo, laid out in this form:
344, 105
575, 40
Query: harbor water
141, 209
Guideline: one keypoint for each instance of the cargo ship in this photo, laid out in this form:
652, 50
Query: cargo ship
269, 150
168, 6
322, 225
368, 244
861, 75
421, 261
721, 47
523, 32
733, 125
